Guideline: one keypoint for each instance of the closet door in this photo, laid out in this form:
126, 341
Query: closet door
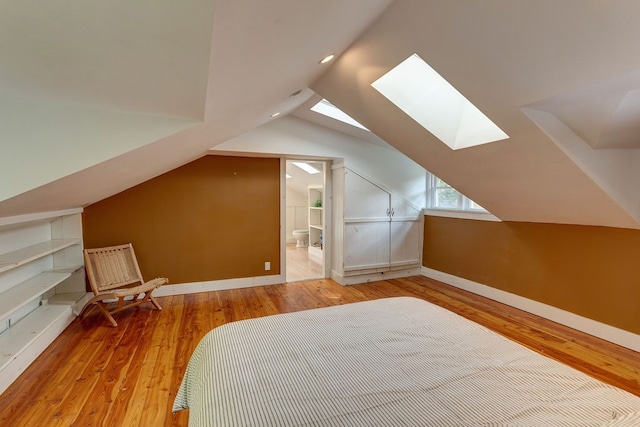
406, 233
402, 211
366, 245
405, 242
364, 201
366, 224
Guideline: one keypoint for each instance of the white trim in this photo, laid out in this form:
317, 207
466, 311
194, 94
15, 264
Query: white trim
376, 183
11, 220
592, 327
217, 285
346, 280
327, 218
480, 216
283, 215
462, 211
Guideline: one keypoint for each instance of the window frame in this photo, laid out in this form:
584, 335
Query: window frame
463, 208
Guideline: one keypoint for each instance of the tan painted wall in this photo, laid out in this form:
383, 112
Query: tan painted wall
591, 271
215, 218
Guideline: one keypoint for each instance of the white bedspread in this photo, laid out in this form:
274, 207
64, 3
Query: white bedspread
389, 362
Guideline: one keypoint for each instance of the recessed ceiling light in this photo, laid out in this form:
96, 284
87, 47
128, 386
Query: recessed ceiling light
275, 114
327, 58
306, 167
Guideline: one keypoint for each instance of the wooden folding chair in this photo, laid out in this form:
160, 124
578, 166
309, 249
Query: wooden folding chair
114, 274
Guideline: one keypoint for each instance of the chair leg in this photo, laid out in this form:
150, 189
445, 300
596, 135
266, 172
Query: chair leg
86, 310
137, 300
103, 309
154, 302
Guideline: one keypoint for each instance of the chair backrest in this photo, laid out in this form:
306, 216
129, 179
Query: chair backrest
111, 267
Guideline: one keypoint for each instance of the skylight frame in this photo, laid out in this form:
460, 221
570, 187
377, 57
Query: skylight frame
326, 108
425, 96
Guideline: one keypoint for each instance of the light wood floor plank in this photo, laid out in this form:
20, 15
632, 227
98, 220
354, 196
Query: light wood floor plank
97, 375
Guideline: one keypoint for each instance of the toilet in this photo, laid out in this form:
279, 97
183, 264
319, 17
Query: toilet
302, 238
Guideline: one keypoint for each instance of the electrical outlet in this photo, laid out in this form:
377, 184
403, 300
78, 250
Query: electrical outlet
267, 266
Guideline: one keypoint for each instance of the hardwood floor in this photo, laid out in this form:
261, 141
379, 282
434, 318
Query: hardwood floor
94, 374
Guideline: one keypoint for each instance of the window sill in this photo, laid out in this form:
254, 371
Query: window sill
479, 216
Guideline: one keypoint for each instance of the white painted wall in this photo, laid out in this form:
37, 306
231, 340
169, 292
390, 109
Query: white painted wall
293, 137
297, 212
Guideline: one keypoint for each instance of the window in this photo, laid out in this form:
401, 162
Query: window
443, 196
426, 97
328, 109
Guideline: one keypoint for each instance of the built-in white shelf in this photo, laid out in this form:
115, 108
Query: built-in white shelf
24, 333
21, 294
22, 256
69, 298
40, 216
42, 285
66, 269
316, 221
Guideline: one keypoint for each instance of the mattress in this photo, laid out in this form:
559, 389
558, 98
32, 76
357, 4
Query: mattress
389, 362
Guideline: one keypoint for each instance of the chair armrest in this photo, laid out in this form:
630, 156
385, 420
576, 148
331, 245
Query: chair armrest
158, 281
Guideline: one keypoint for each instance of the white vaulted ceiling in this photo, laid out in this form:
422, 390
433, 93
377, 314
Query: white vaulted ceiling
560, 78
96, 97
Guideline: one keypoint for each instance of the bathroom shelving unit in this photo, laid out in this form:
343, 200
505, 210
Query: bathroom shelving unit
316, 227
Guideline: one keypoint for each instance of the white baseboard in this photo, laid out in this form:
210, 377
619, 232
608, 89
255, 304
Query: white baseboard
217, 285
372, 277
592, 327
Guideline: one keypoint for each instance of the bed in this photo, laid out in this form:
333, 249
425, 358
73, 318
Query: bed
389, 362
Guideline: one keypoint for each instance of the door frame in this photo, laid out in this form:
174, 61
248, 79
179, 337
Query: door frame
327, 214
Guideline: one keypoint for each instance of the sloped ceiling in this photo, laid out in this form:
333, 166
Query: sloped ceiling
83, 82
604, 114
560, 78
507, 57
301, 180
185, 76
133, 56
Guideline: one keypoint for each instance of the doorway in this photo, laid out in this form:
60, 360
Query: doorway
305, 219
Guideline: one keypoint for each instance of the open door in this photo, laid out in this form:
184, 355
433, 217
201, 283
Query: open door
306, 219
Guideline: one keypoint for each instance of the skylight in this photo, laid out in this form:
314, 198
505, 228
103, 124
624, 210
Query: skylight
328, 109
306, 167
422, 93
